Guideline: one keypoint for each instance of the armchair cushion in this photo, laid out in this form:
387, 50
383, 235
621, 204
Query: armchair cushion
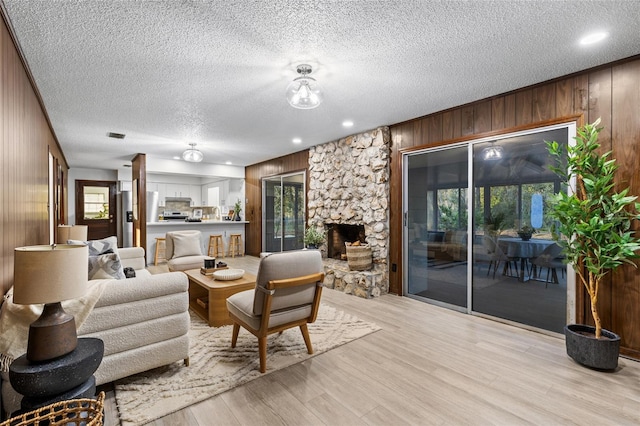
186, 245
280, 266
240, 305
170, 246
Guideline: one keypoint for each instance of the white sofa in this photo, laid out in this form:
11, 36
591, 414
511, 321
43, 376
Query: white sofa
143, 321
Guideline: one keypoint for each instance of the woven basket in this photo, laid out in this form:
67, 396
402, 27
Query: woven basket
73, 412
359, 258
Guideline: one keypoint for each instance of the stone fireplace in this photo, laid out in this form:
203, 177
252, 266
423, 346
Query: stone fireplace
348, 199
338, 234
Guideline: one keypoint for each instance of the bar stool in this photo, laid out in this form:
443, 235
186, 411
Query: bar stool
235, 245
160, 250
216, 246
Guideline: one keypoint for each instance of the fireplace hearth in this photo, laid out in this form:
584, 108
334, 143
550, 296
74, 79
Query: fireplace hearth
338, 234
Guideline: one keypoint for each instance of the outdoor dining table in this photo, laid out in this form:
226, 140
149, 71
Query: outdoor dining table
515, 247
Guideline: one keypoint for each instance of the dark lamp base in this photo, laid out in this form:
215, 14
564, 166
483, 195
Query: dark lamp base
52, 335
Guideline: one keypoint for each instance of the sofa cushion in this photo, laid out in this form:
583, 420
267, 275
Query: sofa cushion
132, 257
186, 245
106, 266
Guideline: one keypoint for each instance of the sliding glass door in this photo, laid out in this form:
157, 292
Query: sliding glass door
477, 230
283, 212
437, 216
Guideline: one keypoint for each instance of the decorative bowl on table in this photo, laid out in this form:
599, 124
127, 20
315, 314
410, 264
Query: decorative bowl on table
228, 274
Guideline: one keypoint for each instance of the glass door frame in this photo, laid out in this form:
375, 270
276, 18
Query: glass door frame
282, 178
570, 125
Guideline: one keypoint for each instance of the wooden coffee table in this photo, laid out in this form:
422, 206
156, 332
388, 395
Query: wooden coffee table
208, 297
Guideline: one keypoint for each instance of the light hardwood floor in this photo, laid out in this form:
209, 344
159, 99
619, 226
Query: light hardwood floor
428, 365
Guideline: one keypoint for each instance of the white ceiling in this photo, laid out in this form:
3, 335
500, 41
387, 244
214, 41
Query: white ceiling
166, 73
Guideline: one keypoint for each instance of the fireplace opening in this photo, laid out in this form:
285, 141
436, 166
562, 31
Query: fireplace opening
338, 234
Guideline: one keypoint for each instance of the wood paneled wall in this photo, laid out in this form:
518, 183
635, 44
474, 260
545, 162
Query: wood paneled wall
253, 189
611, 92
25, 142
139, 180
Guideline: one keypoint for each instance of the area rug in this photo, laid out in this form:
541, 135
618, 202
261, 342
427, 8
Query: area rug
215, 367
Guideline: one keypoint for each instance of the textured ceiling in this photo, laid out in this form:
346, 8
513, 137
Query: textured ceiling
167, 73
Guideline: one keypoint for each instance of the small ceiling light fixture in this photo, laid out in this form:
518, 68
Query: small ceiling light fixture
296, 140
192, 155
304, 92
347, 123
228, 163
593, 38
492, 153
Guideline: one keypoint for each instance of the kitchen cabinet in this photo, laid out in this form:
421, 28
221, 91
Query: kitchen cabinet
178, 190
195, 192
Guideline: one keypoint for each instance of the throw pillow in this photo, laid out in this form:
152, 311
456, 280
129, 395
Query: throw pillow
186, 245
99, 267
105, 266
98, 247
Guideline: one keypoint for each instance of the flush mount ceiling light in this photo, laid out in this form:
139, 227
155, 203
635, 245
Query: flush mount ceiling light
192, 155
304, 92
492, 153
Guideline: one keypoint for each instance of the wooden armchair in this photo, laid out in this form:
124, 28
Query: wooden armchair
287, 294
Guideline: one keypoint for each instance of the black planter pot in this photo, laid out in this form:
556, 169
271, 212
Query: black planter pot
585, 349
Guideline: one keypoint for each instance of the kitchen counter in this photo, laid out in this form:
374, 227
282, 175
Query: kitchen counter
207, 227
204, 222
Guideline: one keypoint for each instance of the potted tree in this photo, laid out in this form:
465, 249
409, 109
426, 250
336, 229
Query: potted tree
594, 229
312, 237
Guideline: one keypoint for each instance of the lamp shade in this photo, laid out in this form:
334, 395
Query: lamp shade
72, 232
49, 274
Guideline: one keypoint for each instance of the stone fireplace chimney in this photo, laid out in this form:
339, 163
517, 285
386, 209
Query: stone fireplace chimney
349, 186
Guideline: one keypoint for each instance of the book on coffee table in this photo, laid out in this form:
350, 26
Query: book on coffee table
210, 271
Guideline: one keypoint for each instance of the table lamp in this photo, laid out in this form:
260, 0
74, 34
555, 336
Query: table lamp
72, 232
49, 275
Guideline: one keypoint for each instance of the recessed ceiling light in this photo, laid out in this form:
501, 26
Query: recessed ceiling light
296, 140
593, 38
177, 158
347, 123
228, 163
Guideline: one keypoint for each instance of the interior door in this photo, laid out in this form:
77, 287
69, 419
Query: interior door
96, 207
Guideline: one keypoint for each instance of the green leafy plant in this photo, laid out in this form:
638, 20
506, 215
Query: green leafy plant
237, 208
494, 223
313, 237
526, 232
594, 218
